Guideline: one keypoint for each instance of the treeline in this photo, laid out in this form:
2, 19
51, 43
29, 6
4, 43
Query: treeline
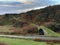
46, 14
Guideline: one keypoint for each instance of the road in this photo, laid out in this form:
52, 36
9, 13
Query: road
32, 37
36, 38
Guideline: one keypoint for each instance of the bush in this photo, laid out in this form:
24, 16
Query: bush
54, 27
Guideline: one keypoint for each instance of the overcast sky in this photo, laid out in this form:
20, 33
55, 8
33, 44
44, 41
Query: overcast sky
18, 6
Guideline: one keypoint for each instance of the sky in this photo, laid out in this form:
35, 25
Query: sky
19, 6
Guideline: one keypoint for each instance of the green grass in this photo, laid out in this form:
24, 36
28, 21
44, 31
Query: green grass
11, 41
50, 32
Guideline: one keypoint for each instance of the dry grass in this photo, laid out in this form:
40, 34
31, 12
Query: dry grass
3, 44
5, 28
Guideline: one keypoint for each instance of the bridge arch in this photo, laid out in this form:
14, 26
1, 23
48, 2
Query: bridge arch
42, 32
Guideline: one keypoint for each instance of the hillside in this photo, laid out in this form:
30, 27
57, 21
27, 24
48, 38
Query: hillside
50, 13
45, 16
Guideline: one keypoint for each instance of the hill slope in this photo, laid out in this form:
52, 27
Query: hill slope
45, 16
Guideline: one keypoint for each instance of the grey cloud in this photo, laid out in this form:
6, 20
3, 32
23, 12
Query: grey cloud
14, 6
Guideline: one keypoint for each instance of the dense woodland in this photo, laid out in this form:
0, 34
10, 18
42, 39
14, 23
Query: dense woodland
48, 16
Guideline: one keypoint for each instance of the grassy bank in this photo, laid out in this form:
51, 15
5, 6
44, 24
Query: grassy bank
50, 32
11, 41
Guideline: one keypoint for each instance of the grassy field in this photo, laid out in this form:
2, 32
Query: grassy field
11, 41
